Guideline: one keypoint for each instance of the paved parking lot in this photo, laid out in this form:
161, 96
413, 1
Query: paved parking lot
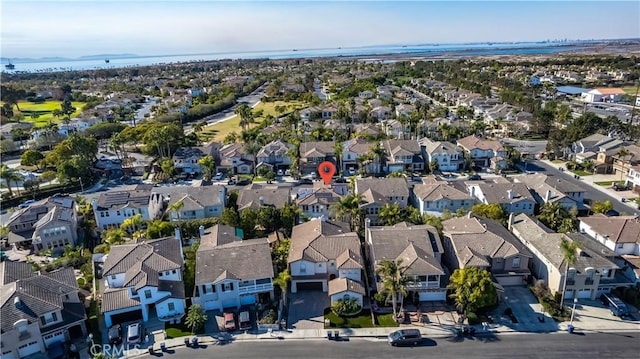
306, 309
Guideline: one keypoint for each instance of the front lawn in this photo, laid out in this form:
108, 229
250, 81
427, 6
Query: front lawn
362, 320
179, 330
582, 173
609, 183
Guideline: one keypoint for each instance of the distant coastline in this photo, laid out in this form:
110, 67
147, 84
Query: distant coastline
388, 52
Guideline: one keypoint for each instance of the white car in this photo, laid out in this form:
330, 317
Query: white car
352, 171
280, 172
219, 176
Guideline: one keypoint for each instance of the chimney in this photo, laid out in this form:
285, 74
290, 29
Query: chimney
201, 231
177, 234
547, 197
16, 301
510, 221
222, 196
367, 223
510, 193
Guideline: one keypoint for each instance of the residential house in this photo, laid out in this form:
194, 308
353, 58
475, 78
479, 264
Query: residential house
376, 192
8, 129
448, 156
403, 155
143, 280
619, 234
366, 94
38, 311
404, 110
275, 154
484, 243
367, 130
590, 143
552, 189
420, 250
434, 197
314, 153
394, 129
603, 94
633, 178
234, 159
197, 202
624, 158
50, 223
513, 197
328, 112
484, 153
257, 195
185, 159
588, 278
230, 271
326, 255
352, 150
316, 203
381, 113
113, 207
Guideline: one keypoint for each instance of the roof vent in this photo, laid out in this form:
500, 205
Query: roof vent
16, 301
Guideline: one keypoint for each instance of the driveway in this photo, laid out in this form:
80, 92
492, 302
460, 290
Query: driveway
526, 310
306, 309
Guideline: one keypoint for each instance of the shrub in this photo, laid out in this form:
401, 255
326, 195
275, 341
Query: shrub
540, 289
343, 307
268, 317
472, 318
380, 299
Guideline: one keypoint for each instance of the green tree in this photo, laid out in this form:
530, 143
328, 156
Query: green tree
394, 281
113, 236
246, 115
268, 218
208, 165
167, 167
379, 154
66, 108
177, 207
159, 229
196, 317
289, 215
601, 207
31, 158
492, 211
472, 289
10, 175
390, 214
569, 251
554, 216
248, 219
282, 281
230, 217
133, 225
347, 209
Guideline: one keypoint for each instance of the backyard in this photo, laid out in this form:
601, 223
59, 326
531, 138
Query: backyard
40, 114
362, 320
218, 131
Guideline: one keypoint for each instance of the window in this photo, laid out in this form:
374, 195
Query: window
113, 277
432, 278
147, 294
303, 268
117, 213
516, 262
173, 271
172, 306
227, 287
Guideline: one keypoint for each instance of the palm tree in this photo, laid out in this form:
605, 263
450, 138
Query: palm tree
569, 252
196, 317
10, 175
282, 281
622, 153
394, 282
176, 207
134, 223
379, 154
246, 115
390, 214
347, 209
337, 149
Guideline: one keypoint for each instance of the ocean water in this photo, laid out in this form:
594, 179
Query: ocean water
36, 65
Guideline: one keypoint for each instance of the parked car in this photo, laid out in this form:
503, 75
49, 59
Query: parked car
27, 203
305, 181
475, 177
352, 171
219, 176
287, 173
280, 173
229, 321
245, 320
404, 337
231, 182
616, 306
243, 182
115, 334
620, 187
133, 333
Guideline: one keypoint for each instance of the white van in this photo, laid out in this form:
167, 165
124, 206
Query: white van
133, 333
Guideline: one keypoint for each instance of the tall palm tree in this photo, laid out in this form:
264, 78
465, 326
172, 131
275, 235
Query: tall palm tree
379, 154
134, 224
10, 175
282, 281
337, 149
394, 282
347, 209
176, 207
390, 214
569, 252
246, 115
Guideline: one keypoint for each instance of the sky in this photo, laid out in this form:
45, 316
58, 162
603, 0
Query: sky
68, 28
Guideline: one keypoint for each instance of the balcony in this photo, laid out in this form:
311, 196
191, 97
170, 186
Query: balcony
423, 285
571, 281
24, 335
588, 281
257, 288
171, 317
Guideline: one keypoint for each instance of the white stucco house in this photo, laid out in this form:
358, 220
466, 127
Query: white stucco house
113, 207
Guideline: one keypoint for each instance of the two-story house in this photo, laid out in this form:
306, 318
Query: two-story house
619, 234
314, 153
326, 255
197, 202
257, 195
113, 207
317, 202
552, 189
403, 155
448, 156
484, 243
38, 310
434, 197
231, 272
420, 250
50, 223
513, 197
143, 280
376, 192
352, 150
583, 278
234, 159
275, 154
633, 177
185, 159
484, 153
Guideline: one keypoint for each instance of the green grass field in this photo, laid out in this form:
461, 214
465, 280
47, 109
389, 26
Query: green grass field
362, 320
41, 113
631, 90
609, 183
218, 131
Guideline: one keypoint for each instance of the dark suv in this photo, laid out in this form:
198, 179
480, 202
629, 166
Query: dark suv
115, 334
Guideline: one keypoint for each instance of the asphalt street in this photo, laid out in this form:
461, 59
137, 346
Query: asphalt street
592, 194
547, 346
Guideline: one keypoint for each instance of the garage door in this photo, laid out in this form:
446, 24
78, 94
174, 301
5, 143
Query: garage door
309, 286
433, 296
126, 317
28, 349
584, 294
510, 280
53, 338
247, 299
8, 355
568, 294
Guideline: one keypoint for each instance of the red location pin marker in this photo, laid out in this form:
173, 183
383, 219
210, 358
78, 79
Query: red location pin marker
326, 171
